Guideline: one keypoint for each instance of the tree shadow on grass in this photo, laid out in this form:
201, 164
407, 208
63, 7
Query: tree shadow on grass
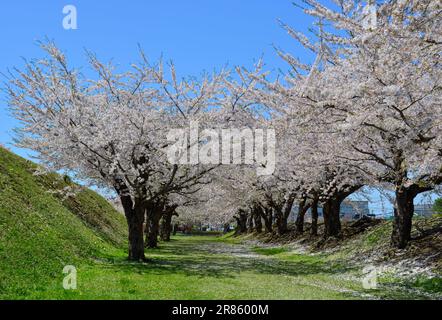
220, 260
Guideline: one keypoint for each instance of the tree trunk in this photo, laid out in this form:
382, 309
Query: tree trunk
281, 223
250, 223
169, 212
314, 229
302, 209
283, 212
152, 236
267, 215
258, 222
136, 243
226, 228
135, 220
332, 221
166, 226
332, 210
268, 225
154, 214
241, 221
403, 216
134, 213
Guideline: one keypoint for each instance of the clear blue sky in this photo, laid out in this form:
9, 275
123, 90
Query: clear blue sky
197, 34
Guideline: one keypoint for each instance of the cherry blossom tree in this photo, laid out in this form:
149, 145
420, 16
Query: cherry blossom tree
308, 169
111, 130
367, 111
379, 89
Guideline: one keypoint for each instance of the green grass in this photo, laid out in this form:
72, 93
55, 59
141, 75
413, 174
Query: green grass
199, 267
431, 285
377, 236
204, 267
40, 233
269, 251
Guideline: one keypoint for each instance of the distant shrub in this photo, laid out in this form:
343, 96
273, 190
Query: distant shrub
437, 207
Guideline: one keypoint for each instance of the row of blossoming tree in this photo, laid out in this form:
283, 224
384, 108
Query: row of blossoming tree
366, 112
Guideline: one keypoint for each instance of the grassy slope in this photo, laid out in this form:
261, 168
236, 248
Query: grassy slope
408, 267
40, 232
402, 274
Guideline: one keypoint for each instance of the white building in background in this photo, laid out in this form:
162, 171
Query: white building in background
353, 210
350, 210
424, 209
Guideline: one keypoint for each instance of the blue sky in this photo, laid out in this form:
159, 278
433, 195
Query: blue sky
198, 35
